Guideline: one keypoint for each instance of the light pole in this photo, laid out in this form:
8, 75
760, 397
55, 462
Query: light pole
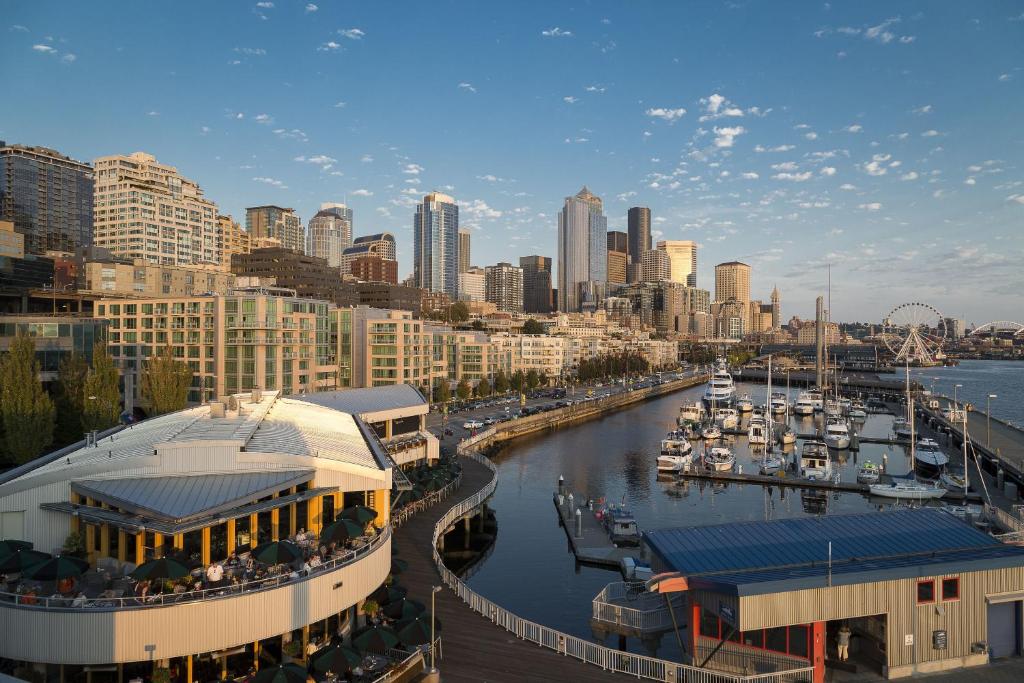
434, 590
988, 420
955, 387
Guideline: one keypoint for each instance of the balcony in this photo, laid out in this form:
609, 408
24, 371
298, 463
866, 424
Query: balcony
130, 630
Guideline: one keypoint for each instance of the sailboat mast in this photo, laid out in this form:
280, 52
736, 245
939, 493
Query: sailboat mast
769, 417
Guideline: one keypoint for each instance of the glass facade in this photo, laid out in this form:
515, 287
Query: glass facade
436, 245
582, 251
55, 338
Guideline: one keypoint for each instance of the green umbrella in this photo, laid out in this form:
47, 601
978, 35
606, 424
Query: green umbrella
375, 639
282, 673
398, 566
338, 659
163, 568
385, 595
416, 630
341, 530
21, 560
403, 609
277, 552
11, 546
360, 514
56, 568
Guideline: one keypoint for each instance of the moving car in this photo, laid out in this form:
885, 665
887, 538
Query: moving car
473, 424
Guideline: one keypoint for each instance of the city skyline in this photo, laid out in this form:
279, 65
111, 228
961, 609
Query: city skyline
898, 181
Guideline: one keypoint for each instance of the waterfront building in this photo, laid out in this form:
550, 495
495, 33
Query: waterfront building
473, 284
548, 354
370, 268
436, 244
618, 241
48, 196
617, 267
56, 338
504, 287
638, 228
582, 252
276, 222
537, 295
655, 266
389, 347
233, 240
307, 275
144, 209
682, 260
329, 233
380, 244
462, 354
732, 282
465, 239
806, 333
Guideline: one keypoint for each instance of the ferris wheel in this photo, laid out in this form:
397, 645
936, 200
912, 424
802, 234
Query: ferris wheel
915, 333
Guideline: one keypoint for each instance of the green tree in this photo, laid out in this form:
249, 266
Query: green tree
532, 379
531, 326
165, 383
483, 388
102, 406
463, 389
458, 312
500, 382
26, 410
518, 380
544, 379
442, 392
478, 324
70, 395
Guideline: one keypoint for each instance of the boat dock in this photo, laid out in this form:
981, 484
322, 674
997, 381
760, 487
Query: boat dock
855, 439
588, 538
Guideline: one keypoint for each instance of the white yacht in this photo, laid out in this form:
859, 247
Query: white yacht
674, 464
929, 459
816, 400
744, 404
720, 389
815, 463
832, 408
786, 435
675, 443
757, 432
869, 473
857, 412
837, 434
711, 432
772, 464
777, 405
954, 481
691, 413
727, 418
719, 459
804, 404
908, 489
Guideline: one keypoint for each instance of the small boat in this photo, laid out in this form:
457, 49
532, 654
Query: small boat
929, 459
857, 412
674, 464
901, 428
675, 443
845, 404
691, 413
757, 432
832, 409
908, 489
719, 459
837, 434
954, 482
619, 523
815, 463
758, 413
868, 473
711, 432
804, 404
787, 435
772, 464
727, 418
744, 404
778, 405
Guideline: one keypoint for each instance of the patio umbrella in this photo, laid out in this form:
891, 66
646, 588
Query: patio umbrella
283, 673
341, 530
375, 639
385, 595
338, 659
403, 609
21, 560
276, 552
360, 514
398, 566
56, 568
163, 568
416, 630
11, 546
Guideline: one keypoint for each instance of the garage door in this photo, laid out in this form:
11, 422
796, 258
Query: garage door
1002, 629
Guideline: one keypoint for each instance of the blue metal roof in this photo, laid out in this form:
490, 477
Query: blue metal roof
791, 554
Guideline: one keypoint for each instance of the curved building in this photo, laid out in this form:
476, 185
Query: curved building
329, 233
381, 244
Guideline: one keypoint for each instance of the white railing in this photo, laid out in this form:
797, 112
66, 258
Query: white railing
564, 643
400, 517
630, 605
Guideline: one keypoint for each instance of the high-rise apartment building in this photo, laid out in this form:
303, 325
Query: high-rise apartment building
389, 347
147, 210
617, 267
48, 197
329, 233
436, 244
618, 241
582, 252
233, 240
277, 223
504, 287
732, 281
638, 227
777, 309
473, 285
536, 283
381, 244
465, 237
655, 266
682, 260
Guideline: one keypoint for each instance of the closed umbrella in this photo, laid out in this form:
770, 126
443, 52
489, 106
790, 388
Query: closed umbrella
283, 673
341, 530
21, 560
416, 630
276, 552
360, 514
385, 595
56, 568
338, 659
403, 609
375, 639
163, 568
11, 546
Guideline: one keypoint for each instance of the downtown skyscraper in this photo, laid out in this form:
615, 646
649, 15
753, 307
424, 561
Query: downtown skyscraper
436, 244
329, 233
638, 227
582, 252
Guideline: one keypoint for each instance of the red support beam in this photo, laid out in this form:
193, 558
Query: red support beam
818, 650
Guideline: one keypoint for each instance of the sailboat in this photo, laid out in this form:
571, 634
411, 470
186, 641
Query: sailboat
958, 482
908, 488
787, 435
903, 427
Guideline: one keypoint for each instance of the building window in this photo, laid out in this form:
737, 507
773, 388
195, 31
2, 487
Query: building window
951, 588
925, 592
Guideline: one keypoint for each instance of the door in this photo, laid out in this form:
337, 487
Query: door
1003, 633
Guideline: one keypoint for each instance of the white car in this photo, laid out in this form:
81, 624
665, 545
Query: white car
473, 424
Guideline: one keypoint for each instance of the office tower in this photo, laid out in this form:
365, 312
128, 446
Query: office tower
436, 244
309, 276
464, 250
582, 252
732, 281
682, 258
147, 210
618, 241
617, 266
48, 197
380, 244
278, 223
638, 227
329, 233
654, 266
537, 295
504, 287
777, 309
473, 285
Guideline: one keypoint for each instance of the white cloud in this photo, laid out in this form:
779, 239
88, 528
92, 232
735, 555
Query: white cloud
1004, 78
670, 115
479, 210
19, 28
595, 88
362, 192
152, 113
412, 169
727, 136
340, 105
204, 130
352, 33
924, 109
970, 181
569, 99
329, 46
876, 165
291, 134
795, 177
854, 128
930, 133
906, 40
811, 136
910, 175
750, 175
847, 187
881, 32
265, 5
716, 106
265, 119
490, 178
828, 171
366, 159
778, 148
271, 181
576, 140
467, 86
69, 58
45, 49
785, 166
556, 33
310, 8
251, 51
318, 160
1017, 198
939, 194
873, 206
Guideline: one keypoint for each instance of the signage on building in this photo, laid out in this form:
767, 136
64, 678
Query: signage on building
939, 640
908, 639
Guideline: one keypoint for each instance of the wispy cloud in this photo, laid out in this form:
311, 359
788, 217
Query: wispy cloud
716, 106
725, 137
924, 109
468, 87
599, 89
569, 99
910, 175
321, 160
45, 49
876, 166
412, 169
666, 114
777, 148
340, 105
329, 46
828, 171
352, 33
556, 32
18, 28
264, 119
273, 182
872, 206
794, 177
291, 134
362, 192
310, 8
251, 51
854, 128
749, 175
931, 133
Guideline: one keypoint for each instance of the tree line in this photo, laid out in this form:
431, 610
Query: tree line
519, 381
612, 365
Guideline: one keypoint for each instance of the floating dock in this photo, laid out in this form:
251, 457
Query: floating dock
588, 539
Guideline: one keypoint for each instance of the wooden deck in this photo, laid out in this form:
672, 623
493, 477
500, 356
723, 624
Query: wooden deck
474, 649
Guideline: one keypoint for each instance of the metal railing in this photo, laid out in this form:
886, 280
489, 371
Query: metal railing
405, 662
629, 604
167, 599
401, 516
564, 643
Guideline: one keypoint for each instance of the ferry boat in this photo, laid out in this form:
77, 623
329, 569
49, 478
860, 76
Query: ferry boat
719, 459
674, 464
908, 489
869, 473
744, 404
691, 413
711, 432
720, 389
675, 443
727, 418
620, 525
929, 459
837, 434
757, 432
815, 463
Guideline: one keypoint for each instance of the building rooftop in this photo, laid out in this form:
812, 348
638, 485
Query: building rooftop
368, 401
750, 558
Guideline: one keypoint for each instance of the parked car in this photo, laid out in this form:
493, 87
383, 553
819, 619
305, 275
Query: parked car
473, 424
490, 420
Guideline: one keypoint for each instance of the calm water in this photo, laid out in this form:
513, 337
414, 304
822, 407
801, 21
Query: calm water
532, 570
980, 378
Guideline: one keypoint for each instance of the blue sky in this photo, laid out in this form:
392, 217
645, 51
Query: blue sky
884, 138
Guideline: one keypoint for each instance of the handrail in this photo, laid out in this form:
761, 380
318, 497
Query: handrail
402, 516
168, 599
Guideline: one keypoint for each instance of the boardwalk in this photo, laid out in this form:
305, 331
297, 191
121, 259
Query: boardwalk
1005, 442
475, 649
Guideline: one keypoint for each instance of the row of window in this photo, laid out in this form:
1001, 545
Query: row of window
950, 590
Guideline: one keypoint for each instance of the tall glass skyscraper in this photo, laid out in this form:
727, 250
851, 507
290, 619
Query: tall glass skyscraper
582, 252
638, 226
436, 245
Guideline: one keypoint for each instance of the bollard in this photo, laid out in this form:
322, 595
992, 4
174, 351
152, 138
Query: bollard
1000, 478
579, 523
561, 483
885, 461
739, 469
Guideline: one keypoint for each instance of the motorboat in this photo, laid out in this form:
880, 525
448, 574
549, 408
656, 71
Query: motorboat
845, 404
908, 489
620, 525
804, 404
674, 464
727, 418
772, 464
832, 409
744, 404
815, 463
757, 432
720, 459
787, 435
675, 443
837, 434
758, 413
691, 413
857, 412
929, 459
954, 481
814, 396
901, 428
711, 432
777, 405
868, 473
720, 389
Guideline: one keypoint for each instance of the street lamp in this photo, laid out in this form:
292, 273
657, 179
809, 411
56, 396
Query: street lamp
434, 590
955, 387
988, 421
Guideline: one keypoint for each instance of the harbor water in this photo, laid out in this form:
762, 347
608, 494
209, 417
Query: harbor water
978, 379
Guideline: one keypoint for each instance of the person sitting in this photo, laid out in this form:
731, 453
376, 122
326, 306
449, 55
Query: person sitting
233, 560
307, 567
301, 536
311, 648
214, 574
315, 561
79, 600
180, 588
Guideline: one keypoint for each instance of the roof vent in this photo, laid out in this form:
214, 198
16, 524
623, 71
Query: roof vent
216, 409
257, 395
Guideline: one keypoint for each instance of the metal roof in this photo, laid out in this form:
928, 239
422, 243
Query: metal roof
361, 401
791, 554
180, 498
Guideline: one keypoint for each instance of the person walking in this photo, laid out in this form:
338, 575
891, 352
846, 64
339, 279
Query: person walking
843, 642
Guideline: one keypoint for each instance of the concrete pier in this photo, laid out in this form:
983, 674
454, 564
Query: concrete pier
588, 539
